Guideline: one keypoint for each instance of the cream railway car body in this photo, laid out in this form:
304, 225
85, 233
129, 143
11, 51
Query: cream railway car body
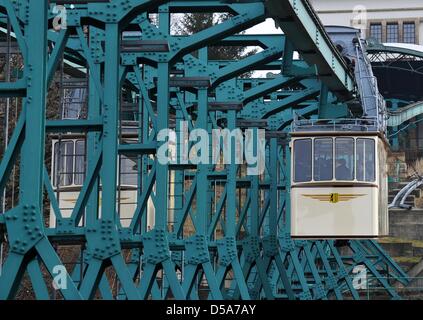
68, 174
339, 185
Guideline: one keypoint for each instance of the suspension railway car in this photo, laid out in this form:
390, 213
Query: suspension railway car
68, 174
68, 163
339, 185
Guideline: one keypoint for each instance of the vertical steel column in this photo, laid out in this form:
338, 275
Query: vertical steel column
202, 168
111, 122
25, 223
93, 139
32, 154
230, 225
162, 175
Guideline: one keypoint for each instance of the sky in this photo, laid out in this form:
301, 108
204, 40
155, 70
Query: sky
267, 27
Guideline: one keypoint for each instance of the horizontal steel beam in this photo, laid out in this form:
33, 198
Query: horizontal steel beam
74, 125
13, 89
138, 148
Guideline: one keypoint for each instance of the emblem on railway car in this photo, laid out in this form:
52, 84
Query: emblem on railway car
333, 197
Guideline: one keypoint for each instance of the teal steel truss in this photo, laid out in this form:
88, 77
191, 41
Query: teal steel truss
197, 230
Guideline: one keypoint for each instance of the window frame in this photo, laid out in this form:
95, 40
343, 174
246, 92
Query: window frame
314, 158
354, 165
353, 160
404, 37
123, 176
364, 180
311, 160
57, 158
77, 156
379, 25
388, 34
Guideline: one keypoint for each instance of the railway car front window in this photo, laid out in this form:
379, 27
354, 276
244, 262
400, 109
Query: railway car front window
323, 159
79, 162
128, 171
366, 160
344, 154
63, 163
302, 160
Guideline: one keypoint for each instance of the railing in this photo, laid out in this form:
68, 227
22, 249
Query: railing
375, 291
332, 125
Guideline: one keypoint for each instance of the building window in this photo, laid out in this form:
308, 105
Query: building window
392, 32
376, 31
409, 32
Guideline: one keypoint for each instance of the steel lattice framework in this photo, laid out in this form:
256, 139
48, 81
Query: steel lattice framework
218, 233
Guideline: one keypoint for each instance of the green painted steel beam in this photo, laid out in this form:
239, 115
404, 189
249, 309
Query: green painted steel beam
13, 89
138, 148
378, 48
74, 126
396, 118
303, 28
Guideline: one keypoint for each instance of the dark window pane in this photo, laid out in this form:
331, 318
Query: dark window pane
63, 163
392, 32
79, 162
128, 171
409, 32
344, 153
323, 159
302, 160
56, 165
376, 31
366, 160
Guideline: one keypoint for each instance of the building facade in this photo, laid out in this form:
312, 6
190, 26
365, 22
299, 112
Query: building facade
389, 21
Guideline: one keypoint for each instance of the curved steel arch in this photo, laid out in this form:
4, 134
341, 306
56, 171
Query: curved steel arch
387, 55
378, 48
396, 118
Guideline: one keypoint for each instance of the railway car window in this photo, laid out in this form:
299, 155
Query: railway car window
63, 163
302, 160
344, 154
323, 159
79, 162
128, 171
366, 160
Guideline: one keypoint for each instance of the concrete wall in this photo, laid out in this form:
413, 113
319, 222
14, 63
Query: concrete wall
406, 224
354, 12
